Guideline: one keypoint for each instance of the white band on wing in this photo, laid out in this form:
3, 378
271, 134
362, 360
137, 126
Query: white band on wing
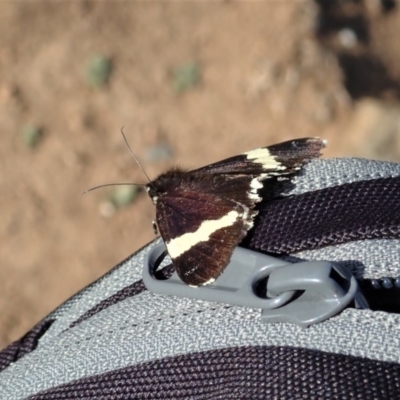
181, 244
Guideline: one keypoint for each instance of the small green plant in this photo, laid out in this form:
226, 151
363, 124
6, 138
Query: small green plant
124, 195
31, 135
158, 152
98, 71
186, 76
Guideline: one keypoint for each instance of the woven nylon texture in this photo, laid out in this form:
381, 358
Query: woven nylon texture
358, 211
324, 173
129, 291
242, 373
25, 345
367, 259
120, 276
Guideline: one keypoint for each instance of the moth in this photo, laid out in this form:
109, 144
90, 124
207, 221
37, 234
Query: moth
203, 214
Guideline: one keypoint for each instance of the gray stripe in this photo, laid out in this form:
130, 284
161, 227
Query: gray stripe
321, 174
369, 259
127, 273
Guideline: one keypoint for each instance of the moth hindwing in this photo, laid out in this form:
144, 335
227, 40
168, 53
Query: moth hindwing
204, 213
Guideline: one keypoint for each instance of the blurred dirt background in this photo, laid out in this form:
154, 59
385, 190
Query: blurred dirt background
192, 83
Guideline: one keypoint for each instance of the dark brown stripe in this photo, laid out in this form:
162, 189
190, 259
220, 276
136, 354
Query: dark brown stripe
282, 373
341, 214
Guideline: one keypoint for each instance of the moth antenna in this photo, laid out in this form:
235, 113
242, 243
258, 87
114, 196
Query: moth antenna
134, 156
112, 184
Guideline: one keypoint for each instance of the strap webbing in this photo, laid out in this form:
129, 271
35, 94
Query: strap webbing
340, 214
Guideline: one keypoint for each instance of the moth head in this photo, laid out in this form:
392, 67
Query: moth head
167, 182
153, 194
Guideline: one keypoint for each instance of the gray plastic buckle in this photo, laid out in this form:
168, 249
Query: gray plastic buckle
302, 293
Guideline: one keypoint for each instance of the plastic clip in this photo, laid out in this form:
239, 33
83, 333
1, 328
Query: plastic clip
303, 293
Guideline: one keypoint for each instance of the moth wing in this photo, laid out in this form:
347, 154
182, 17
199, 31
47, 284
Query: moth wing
279, 159
205, 261
201, 229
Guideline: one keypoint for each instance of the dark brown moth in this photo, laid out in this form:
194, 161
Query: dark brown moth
204, 213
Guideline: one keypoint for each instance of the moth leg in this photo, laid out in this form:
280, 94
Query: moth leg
155, 229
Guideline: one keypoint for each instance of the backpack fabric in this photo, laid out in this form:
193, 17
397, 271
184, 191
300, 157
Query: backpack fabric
117, 340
